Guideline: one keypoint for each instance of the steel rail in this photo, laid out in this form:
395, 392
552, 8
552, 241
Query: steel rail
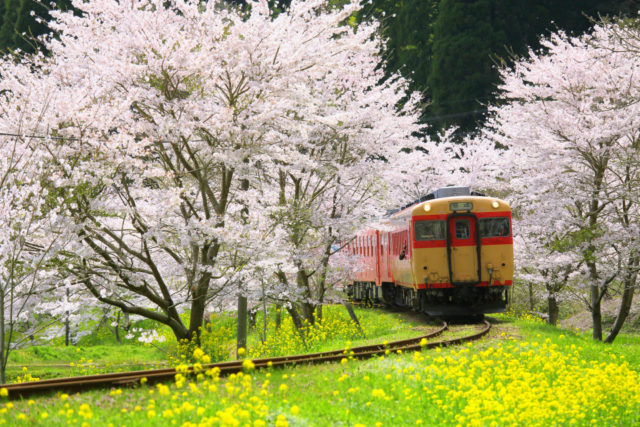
116, 379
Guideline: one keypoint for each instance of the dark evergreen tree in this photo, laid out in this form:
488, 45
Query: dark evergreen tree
461, 68
23, 21
471, 36
31, 22
2, 8
7, 30
407, 26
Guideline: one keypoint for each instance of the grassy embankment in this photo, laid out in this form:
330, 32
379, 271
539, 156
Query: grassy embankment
100, 353
525, 373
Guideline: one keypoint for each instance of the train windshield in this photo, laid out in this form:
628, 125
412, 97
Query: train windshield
494, 227
430, 230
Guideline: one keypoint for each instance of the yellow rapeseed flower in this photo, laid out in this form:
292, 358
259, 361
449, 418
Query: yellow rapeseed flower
378, 392
281, 421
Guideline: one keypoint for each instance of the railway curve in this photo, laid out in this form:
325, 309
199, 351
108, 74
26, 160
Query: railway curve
118, 379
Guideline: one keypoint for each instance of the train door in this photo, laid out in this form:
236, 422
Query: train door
463, 253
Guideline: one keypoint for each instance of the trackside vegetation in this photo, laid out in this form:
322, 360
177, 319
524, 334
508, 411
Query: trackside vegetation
99, 353
524, 373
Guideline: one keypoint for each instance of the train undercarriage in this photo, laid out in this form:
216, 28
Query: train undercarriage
458, 301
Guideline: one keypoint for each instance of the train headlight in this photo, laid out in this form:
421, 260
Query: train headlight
495, 204
427, 207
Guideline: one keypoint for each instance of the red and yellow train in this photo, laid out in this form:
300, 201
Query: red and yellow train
447, 254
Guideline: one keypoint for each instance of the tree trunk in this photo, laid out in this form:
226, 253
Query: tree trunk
531, 301
264, 320
278, 316
596, 313
308, 309
3, 344
67, 326
629, 283
117, 328
623, 311
242, 324
198, 304
297, 322
553, 309
127, 322
352, 314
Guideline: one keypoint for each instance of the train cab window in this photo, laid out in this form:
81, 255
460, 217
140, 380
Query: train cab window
430, 230
494, 227
462, 229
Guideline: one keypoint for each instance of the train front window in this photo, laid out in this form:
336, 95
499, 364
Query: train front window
494, 227
430, 230
462, 229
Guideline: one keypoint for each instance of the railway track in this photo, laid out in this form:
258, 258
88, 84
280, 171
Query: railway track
74, 384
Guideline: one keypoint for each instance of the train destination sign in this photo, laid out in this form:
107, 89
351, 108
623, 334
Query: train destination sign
461, 206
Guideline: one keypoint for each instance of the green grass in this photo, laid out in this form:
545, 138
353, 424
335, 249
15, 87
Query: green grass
524, 373
99, 352
55, 361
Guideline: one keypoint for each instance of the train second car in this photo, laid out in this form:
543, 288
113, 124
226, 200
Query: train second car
450, 254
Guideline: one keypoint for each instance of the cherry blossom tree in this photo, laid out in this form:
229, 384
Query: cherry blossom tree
570, 121
323, 203
173, 123
25, 247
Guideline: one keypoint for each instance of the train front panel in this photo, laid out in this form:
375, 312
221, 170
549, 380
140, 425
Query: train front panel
462, 254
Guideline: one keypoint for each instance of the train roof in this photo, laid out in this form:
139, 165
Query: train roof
439, 201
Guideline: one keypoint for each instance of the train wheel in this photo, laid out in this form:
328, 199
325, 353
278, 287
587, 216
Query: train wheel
388, 293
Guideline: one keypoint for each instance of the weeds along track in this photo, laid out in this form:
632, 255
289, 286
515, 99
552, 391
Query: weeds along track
74, 384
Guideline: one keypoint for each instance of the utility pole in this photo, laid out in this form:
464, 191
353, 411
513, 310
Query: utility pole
242, 324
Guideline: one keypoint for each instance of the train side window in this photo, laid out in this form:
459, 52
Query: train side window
494, 227
462, 229
429, 230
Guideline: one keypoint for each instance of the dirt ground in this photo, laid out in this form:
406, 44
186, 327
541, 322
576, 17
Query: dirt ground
582, 320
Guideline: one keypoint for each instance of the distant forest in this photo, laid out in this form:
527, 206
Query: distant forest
448, 49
